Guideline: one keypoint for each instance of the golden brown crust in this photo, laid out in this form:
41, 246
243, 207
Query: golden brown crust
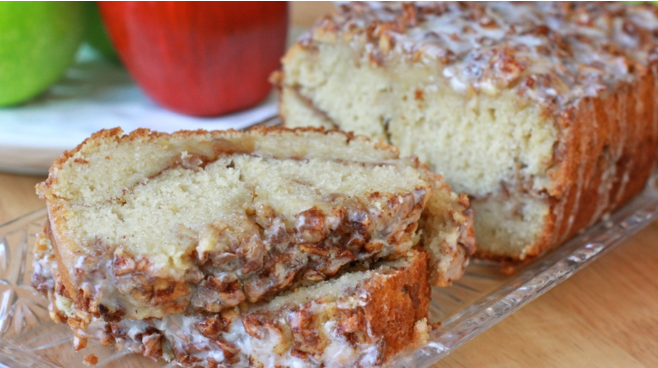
607, 152
397, 304
605, 155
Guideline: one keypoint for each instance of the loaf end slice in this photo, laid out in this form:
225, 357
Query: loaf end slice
361, 318
149, 224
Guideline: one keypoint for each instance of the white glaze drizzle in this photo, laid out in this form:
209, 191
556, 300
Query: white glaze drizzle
554, 53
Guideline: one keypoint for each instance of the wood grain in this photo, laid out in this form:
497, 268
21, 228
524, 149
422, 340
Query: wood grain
17, 196
604, 316
304, 13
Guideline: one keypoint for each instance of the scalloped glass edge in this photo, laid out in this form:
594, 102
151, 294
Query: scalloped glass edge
465, 309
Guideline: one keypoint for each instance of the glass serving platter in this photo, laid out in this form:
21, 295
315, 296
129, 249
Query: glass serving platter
484, 296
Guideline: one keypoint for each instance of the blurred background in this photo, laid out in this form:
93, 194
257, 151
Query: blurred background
69, 69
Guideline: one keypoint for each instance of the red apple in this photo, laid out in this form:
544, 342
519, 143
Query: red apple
199, 58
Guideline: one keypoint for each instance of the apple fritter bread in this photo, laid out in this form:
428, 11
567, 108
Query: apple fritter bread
543, 113
151, 233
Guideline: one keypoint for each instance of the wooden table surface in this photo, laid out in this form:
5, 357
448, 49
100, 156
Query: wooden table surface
604, 316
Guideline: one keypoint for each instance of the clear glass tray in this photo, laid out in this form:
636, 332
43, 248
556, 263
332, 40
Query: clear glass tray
485, 295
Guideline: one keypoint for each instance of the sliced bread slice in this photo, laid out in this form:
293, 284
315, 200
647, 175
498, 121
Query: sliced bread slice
150, 224
362, 318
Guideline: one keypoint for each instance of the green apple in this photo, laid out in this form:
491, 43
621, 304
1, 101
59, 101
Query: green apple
96, 35
38, 41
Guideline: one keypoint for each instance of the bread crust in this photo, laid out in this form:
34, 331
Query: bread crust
606, 152
397, 304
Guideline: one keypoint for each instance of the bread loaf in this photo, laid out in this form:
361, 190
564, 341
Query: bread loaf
543, 113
